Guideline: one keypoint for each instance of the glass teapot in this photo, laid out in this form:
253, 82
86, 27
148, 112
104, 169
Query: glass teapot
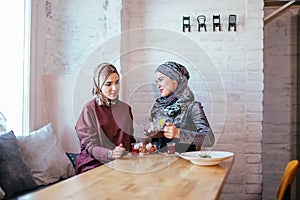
153, 129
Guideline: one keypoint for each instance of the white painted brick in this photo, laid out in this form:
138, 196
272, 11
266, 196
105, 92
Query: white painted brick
254, 178
234, 137
255, 15
234, 87
255, 127
254, 97
255, 76
254, 46
253, 86
237, 178
255, 55
232, 188
252, 32
252, 148
253, 158
254, 137
233, 128
254, 107
238, 118
254, 117
235, 108
254, 66
255, 4
236, 67
240, 77
252, 196
254, 168
254, 188
230, 196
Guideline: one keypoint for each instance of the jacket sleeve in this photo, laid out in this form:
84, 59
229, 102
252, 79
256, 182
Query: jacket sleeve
86, 128
203, 135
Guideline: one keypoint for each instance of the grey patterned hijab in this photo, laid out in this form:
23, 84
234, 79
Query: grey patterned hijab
174, 70
173, 103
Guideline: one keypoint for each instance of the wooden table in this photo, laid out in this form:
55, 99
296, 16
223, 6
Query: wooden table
154, 176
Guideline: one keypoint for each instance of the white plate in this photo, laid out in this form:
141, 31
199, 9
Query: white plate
216, 157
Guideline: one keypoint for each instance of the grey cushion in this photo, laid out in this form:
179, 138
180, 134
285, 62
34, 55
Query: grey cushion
45, 156
72, 157
15, 176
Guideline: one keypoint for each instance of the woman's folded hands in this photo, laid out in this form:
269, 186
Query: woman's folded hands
118, 152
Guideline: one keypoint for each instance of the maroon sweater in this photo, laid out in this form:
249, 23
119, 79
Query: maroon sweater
102, 128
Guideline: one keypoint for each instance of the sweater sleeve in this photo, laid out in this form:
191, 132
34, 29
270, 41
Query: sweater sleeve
203, 134
86, 128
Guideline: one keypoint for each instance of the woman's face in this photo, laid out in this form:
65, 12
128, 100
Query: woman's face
165, 84
111, 86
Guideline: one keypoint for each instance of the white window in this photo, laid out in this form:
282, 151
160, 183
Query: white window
14, 64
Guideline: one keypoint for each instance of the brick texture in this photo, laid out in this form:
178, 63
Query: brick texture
279, 98
227, 70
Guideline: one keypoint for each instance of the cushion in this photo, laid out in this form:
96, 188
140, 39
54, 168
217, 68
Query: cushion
2, 193
72, 157
46, 158
15, 176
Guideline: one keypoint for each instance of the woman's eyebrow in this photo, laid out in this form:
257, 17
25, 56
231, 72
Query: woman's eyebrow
112, 81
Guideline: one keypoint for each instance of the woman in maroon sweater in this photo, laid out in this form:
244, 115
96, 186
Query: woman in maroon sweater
105, 123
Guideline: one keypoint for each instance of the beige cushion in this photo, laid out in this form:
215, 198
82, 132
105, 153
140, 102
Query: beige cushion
45, 157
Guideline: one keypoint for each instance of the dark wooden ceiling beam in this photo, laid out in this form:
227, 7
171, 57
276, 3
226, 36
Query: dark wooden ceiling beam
279, 3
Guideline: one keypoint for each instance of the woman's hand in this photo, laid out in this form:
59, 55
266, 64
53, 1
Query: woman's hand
118, 152
171, 131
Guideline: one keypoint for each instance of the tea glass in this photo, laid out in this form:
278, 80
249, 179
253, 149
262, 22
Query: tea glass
135, 148
171, 148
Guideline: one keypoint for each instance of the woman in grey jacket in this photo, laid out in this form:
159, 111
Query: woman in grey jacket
182, 117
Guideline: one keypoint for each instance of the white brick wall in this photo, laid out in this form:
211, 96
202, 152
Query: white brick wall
233, 104
226, 67
72, 31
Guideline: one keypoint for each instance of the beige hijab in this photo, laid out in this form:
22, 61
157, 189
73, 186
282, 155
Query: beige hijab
101, 73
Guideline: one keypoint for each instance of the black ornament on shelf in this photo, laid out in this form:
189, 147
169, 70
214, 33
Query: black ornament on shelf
216, 22
186, 23
232, 22
201, 22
